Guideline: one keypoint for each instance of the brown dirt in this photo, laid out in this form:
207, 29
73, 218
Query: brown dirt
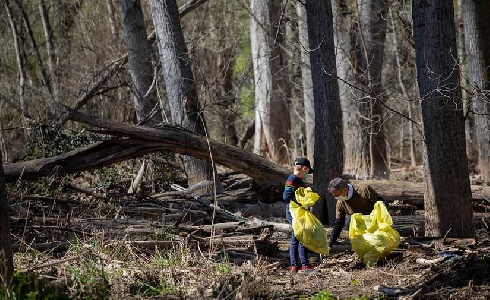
264, 276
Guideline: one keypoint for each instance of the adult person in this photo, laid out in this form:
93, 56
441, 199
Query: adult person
298, 253
351, 199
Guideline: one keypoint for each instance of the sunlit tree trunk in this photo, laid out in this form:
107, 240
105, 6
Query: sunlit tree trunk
20, 61
111, 15
328, 161
271, 114
35, 50
309, 109
372, 21
180, 85
140, 63
447, 199
6, 261
356, 141
50, 48
407, 98
476, 20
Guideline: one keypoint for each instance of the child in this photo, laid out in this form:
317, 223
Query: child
298, 253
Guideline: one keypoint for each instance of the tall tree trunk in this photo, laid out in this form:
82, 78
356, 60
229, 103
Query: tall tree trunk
35, 49
271, 114
280, 127
20, 61
111, 15
226, 96
476, 19
470, 130
372, 21
224, 102
6, 261
259, 23
180, 85
50, 48
328, 161
356, 141
140, 65
309, 106
447, 197
408, 99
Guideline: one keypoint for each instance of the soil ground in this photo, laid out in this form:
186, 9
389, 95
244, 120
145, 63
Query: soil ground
100, 260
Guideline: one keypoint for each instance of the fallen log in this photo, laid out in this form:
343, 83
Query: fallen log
140, 140
143, 140
413, 192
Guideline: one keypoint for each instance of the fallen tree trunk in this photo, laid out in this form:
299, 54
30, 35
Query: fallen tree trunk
144, 140
413, 192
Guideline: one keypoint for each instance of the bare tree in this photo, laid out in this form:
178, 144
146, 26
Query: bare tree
35, 48
140, 63
372, 28
272, 120
476, 20
309, 108
20, 60
180, 85
447, 197
112, 19
356, 141
6, 261
328, 161
50, 48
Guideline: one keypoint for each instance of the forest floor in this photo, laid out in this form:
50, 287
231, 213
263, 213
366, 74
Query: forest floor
85, 237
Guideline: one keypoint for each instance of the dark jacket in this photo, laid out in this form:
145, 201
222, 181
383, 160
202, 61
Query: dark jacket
362, 201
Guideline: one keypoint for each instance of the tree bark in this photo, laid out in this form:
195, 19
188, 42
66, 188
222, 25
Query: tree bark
448, 195
180, 85
372, 25
20, 61
140, 63
328, 161
408, 99
112, 20
35, 48
279, 120
476, 20
307, 83
270, 108
50, 49
6, 260
356, 141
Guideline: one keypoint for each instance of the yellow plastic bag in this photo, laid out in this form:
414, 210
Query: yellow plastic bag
372, 236
307, 228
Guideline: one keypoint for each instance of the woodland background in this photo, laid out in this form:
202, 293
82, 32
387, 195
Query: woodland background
369, 89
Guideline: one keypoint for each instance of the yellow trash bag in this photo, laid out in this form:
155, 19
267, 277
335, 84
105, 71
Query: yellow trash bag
307, 228
372, 236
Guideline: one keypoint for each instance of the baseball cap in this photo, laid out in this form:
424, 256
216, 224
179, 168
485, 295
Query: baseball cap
303, 161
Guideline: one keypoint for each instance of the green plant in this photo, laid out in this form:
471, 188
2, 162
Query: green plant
29, 286
323, 295
223, 267
153, 288
166, 260
88, 276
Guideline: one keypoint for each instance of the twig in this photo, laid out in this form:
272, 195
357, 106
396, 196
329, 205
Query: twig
41, 227
50, 264
445, 236
134, 185
75, 187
